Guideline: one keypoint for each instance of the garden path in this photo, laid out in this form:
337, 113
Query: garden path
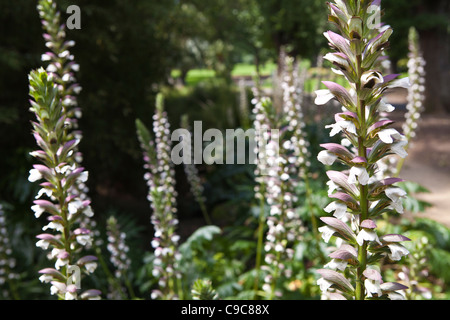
428, 161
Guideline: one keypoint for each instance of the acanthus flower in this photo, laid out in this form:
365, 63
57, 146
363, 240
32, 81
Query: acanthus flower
359, 197
68, 242
160, 177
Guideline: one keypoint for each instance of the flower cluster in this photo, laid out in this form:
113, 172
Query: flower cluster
416, 93
61, 174
62, 67
119, 259
60, 60
280, 145
193, 177
117, 247
359, 198
160, 177
7, 262
416, 271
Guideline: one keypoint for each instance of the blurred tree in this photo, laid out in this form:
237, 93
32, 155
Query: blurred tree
228, 29
295, 24
124, 52
432, 20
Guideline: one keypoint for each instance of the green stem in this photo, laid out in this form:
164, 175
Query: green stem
259, 247
13, 289
310, 207
362, 250
111, 279
363, 200
204, 212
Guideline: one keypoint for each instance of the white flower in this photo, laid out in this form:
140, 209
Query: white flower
52, 68
45, 278
70, 295
327, 232
337, 264
54, 225
155, 243
331, 186
326, 157
84, 239
54, 290
361, 173
88, 212
372, 286
83, 176
398, 148
397, 251
74, 206
61, 263
396, 194
45, 57
38, 210
90, 266
35, 175
367, 235
323, 96
385, 107
45, 191
339, 209
324, 284
338, 126
400, 83
388, 135
43, 244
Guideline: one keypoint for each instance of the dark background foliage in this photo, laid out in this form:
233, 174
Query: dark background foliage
127, 50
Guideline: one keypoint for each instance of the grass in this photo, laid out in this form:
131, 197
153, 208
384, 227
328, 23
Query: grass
195, 76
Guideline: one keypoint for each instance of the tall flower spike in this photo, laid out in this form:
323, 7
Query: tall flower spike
416, 96
61, 174
119, 255
60, 60
277, 177
7, 262
193, 177
160, 177
62, 67
359, 197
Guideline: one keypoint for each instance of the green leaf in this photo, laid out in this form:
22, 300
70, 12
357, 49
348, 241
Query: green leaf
440, 233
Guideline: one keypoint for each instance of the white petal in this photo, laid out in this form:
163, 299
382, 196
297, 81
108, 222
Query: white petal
400, 83
366, 235
397, 251
35, 175
327, 232
324, 284
38, 210
327, 158
398, 148
323, 96
361, 173
385, 107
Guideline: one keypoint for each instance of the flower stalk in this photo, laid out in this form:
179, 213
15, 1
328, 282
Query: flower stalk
7, 263
360, 197
119, 254
193, 177
160, 177
61, 174
416, 92
277, 177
